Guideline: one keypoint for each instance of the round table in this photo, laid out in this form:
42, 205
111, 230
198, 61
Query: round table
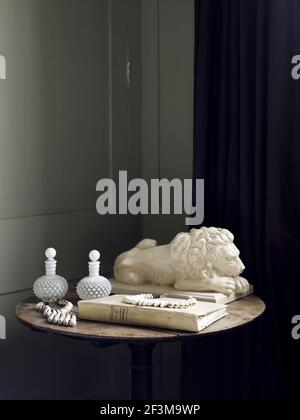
141, 341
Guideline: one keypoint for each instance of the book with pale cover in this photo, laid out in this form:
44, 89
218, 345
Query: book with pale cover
112, 309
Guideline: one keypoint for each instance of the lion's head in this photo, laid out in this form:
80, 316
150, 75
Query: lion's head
205, 253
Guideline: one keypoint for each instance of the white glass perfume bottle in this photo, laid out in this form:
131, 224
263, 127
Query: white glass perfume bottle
50, 287
94, 286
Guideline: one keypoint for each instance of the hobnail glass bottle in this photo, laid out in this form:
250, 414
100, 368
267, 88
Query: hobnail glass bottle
50, 287
94, 286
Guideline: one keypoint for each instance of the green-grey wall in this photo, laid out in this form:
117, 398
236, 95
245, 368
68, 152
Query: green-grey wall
62, 128
168, 66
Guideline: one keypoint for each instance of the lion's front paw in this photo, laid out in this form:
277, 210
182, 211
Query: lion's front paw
228, 286
241, 285
224, 285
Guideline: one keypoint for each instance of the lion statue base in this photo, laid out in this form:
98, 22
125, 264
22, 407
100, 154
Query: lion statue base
204, 260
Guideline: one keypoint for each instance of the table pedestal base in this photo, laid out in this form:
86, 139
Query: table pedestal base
141, 371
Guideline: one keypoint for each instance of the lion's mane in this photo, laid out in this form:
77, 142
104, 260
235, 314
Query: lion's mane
196, 251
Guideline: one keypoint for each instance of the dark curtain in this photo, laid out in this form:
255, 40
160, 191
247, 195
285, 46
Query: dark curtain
247, 148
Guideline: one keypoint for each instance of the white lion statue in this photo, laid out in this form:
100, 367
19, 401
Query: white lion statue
203, 259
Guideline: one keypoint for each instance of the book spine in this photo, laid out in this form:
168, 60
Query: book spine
137, 315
